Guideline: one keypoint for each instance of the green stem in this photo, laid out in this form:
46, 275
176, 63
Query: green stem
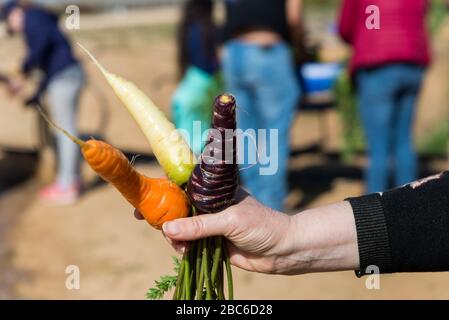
176, 295
192, 285
187, 276
199, 249
217, 259
193, 269
229, 275
220, 283
200, 286
199, 271
183, 291
206, 270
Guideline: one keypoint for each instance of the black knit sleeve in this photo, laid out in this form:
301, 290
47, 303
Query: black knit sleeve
405, 229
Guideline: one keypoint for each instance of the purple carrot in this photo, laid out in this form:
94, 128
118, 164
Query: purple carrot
214, 181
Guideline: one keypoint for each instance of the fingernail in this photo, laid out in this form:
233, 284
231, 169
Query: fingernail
171, 228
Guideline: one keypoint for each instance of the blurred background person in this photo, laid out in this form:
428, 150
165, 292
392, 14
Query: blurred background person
259, 70
198, 65
49, 51
388, 65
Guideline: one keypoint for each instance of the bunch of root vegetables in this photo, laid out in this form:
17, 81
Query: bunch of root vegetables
193, 187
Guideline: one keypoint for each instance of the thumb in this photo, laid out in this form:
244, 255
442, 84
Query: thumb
198, 227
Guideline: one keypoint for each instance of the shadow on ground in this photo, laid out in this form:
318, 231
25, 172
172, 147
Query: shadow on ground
315, 180
16, 167
17, 190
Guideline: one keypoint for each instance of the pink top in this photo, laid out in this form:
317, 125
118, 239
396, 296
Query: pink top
402, 36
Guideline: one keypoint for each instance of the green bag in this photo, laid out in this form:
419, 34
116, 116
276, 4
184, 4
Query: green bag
192, 105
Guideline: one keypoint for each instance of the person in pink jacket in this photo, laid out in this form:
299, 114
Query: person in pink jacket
390, 54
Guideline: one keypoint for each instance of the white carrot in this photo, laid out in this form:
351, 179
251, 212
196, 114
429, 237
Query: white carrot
168, 145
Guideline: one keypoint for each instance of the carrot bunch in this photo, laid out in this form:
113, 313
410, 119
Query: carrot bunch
210, 185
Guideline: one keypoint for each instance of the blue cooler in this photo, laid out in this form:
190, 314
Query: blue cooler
319, 78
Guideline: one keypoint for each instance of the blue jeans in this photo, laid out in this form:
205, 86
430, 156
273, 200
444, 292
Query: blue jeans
264, 83
64, 92
387, 99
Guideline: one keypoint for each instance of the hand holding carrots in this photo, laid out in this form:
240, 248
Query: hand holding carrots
263, 240
258, 237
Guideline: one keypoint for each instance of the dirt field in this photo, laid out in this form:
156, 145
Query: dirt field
119, 257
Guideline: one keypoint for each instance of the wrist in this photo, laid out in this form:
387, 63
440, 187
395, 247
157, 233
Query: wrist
324, 239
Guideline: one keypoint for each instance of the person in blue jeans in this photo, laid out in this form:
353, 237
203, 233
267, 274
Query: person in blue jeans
259, 70
387, 99
49, 51
387, 65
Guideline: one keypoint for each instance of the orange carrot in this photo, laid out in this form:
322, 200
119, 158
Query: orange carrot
159, 200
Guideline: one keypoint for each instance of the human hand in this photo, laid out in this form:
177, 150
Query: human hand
263, 240
258, 236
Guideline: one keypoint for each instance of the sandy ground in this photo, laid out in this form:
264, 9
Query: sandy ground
119, 257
